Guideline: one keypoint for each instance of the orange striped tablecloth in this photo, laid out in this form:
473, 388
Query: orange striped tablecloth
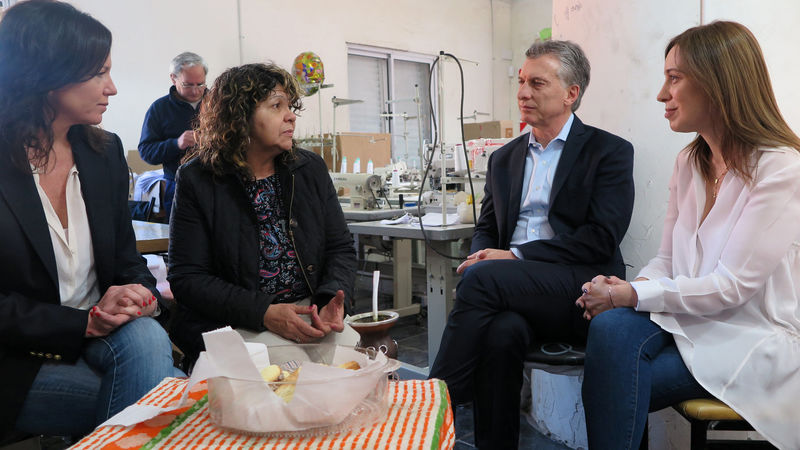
419, 417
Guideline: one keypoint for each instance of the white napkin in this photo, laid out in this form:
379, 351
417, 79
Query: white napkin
433, 219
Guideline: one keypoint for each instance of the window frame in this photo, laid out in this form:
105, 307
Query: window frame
390, 55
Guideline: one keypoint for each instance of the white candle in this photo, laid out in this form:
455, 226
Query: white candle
376, 278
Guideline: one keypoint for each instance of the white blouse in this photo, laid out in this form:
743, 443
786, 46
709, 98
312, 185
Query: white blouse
72, 246
729, 289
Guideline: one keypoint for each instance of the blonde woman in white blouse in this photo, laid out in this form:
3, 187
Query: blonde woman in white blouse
716, 312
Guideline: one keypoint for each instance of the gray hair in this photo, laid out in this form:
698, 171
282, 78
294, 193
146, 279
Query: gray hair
574, 64
186, 59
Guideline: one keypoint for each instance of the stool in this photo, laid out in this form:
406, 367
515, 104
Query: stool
556, 405
706, 414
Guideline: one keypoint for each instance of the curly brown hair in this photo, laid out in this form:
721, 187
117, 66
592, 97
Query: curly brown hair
223, 125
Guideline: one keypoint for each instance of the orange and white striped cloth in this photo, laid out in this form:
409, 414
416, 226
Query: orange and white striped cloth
419, 417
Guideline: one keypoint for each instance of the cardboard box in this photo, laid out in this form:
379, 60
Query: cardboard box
493, 129
137, 164
366, 146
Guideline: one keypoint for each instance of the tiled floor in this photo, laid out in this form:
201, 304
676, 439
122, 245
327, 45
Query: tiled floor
412, 341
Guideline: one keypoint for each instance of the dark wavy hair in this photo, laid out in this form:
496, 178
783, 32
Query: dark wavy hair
223, 125
726, 61
45, 45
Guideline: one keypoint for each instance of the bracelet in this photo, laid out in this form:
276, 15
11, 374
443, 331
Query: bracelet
611, 298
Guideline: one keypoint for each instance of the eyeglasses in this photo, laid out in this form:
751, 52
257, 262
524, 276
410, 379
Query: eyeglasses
193, 86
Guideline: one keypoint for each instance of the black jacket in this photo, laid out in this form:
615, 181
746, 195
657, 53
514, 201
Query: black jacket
591, 201
213, 247
34, 326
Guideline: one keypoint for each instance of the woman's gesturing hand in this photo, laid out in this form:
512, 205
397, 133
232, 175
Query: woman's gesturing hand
330, 317
284, 320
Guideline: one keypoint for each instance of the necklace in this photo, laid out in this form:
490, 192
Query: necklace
717, 184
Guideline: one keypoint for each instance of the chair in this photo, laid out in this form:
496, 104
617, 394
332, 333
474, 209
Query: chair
141, 210
559, 358
556, 405
706, 414
556, 354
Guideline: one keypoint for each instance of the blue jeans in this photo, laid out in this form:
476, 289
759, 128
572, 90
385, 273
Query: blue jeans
113, 372
632, 367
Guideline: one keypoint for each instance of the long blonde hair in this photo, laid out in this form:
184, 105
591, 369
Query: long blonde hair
726, 61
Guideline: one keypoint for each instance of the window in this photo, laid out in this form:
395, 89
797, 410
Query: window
388, 81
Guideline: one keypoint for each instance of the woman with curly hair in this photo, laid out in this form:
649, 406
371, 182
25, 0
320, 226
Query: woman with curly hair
258, 240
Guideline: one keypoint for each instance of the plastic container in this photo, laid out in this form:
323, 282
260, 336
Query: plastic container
349, 400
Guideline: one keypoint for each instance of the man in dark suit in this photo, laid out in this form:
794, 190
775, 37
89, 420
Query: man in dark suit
557, 203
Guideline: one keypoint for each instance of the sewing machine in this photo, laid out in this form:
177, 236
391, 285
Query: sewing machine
364, 188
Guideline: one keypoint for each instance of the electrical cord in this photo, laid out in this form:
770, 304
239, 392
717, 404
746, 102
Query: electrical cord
441, 150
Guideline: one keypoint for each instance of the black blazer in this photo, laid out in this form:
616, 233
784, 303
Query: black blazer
591, 200
34, 327
213, 246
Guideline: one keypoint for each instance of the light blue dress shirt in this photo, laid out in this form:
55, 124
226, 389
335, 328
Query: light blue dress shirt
540, 168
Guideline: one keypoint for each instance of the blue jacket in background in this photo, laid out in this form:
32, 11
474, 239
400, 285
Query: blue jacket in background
165, 121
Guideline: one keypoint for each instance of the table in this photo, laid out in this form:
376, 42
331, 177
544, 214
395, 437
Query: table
402, 303
419, 417
361, 215
439, 271
151, 237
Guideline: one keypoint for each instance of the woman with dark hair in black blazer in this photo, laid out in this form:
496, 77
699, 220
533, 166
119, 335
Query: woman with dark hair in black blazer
77, 344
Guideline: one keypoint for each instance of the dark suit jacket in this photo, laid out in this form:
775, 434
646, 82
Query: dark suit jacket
591, 201
34, 327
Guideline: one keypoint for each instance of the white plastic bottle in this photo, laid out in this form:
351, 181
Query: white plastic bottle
343, 167
357, 166
370, 167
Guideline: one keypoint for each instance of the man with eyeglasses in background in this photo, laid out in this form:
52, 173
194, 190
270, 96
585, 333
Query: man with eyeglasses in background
167, 129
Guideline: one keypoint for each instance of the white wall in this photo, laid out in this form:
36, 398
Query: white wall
528, 18
774, 24
148, 33
280, 30
625, 43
